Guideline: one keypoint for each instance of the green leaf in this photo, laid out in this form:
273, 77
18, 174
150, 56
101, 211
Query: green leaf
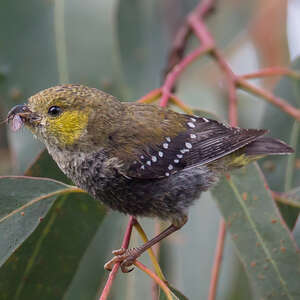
74, 223
45, 166
45, 265
2, 76
274, 118
281, 171
263, 242
23, 202
24, 55
31, 57
146, 30
90, 276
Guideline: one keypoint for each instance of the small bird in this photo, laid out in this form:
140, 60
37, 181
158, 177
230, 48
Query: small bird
139, 159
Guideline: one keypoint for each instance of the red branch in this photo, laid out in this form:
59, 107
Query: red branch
177, 70
114, 271
203, 9
217, 262
273, 71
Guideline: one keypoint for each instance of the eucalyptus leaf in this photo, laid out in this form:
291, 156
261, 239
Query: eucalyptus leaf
23, 203
284, 127
79, 219
281, 171
263, 242
45, 265
45, 166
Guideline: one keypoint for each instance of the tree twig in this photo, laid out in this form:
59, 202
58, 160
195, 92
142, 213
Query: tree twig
273, 71
277, 101
160, 282
217, 261
204, 9
113, 273
177, 70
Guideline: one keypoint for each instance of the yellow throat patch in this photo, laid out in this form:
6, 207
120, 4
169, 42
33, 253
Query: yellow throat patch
69, 126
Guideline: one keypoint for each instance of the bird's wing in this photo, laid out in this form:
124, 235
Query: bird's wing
202, 141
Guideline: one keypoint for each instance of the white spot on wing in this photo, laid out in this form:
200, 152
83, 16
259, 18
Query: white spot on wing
143, 167
188, 145
148, 162
190, 124
179, 155
193, 136
205, 120
168, 139
142, 157
165, 145
154, 158
184, 150
176, 161
193, 120
167, 174
170, 167
160, 154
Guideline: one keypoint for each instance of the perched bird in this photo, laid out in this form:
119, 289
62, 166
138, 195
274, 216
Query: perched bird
139, 159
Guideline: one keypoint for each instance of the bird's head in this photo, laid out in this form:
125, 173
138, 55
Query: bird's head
64, 115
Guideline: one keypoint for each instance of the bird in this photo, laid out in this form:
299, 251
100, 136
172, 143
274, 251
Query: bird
139, 159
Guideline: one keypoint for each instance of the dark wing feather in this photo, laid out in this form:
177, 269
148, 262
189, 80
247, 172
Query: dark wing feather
203, 141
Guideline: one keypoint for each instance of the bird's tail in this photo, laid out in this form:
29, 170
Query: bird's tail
267, 146
259, 148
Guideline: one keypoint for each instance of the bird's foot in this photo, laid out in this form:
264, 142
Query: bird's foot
124, 256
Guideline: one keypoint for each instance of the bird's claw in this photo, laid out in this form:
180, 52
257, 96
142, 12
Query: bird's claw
125, 257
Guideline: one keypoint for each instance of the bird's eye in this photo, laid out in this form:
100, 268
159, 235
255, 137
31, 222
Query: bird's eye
54, 111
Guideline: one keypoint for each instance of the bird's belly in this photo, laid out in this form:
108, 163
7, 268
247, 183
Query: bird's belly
165, 198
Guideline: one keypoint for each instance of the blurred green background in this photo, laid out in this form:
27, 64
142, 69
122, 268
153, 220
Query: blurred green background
121, 47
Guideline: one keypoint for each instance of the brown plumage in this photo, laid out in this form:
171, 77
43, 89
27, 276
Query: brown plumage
139, 159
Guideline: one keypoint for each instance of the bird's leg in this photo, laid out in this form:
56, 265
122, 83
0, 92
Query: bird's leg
128, 256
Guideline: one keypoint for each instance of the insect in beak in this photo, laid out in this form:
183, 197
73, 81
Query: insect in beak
18, 115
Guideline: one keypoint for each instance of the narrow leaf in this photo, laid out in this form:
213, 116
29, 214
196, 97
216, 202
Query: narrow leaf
23, 202
46, 263
283, 172
45, 166
264, 244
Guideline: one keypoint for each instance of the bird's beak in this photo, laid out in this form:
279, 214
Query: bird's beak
21, 110
20, 115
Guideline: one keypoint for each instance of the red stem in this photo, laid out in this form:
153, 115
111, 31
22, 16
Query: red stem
159, 281
177, 70
282, 104
156, 250
273, 71
204, 7
113, 273
217, 261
